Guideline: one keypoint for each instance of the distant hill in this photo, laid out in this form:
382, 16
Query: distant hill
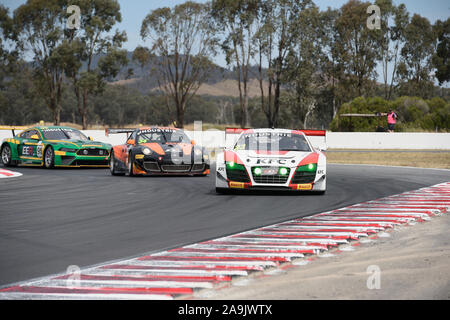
222, 81
224, 88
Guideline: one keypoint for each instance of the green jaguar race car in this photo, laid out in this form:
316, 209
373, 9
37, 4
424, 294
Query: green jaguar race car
53, 146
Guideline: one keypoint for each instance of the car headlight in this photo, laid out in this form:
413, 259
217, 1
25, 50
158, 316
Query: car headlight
68, 150
147, 151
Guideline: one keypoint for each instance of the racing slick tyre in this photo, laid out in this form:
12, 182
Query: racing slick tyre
130, 171
6, 155
49, 157
113, 166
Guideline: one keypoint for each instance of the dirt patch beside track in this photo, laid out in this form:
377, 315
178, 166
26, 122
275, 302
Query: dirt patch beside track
413, 262
420, 159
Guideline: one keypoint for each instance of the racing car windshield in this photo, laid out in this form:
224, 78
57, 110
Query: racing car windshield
272, 141
63, 134
162, 136
75, 135
176, 137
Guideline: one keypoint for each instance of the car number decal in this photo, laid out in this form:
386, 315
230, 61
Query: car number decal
27, 150
39, 149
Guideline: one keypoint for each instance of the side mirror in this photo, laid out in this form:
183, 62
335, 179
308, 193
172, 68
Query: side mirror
131, 141
90, 138
34, 137
322, 147
192, 142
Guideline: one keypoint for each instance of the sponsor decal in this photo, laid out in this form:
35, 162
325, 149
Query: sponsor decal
56, 129
237, 185
270, 161
306, 186
268, 134
27, 150
156, 130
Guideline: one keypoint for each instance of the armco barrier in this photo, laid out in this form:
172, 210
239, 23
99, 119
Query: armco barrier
335, 140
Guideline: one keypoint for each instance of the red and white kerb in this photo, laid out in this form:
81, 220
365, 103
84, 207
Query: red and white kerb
9, 174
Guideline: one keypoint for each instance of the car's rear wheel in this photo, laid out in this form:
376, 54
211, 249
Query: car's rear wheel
113, 166
6, 155
49, 157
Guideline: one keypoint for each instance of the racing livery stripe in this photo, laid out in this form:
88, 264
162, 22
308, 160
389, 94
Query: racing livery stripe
312, 158
218, 262
232, 156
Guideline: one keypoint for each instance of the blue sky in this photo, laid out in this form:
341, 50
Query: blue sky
134, 11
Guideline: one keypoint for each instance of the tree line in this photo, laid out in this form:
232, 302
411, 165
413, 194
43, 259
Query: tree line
309, 63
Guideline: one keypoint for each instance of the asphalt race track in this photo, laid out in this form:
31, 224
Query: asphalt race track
51, 219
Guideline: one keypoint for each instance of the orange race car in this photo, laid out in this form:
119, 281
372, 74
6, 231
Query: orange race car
157, 151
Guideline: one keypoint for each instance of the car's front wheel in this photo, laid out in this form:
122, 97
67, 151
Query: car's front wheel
130, 167
49, 157
113, 166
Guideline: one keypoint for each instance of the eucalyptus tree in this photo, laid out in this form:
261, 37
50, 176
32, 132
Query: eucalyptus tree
332, 63
390, 38
415, 68
183, 39
95, 38
238, 19
274, 39
357, 46
40, 28
8, 50
303, 64
441, 58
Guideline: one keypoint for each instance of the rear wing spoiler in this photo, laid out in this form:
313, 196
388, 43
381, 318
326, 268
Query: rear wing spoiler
13, 128
318, 138
235, 130
109, 131
313, 133
308, 132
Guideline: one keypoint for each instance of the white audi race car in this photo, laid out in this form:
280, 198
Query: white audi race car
272, 159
